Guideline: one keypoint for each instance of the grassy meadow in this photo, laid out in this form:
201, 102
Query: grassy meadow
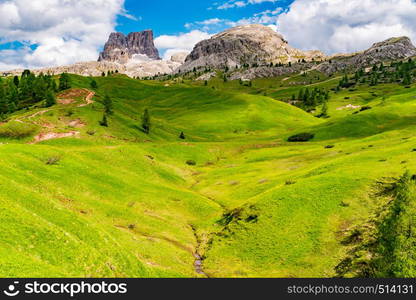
116, 202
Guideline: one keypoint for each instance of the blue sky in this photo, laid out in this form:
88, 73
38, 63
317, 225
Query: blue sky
39, 33
169, 17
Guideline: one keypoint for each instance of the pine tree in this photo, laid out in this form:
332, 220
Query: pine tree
300, 95
26, 73
94, 84
16, 81
12, 97
146, 121
108, 105
324, 112
104, 121
39, 89
64, 82
3, 100
407, 80
50, 99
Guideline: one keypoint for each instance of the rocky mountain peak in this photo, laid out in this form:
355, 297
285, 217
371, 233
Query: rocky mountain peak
401, 46
245, 45
120, 48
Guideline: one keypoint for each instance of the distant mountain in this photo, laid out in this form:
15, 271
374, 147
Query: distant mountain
257, 51
246, 45
388, 50
121, 48
246, 52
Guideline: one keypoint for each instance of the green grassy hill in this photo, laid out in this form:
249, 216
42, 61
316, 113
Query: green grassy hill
116, 202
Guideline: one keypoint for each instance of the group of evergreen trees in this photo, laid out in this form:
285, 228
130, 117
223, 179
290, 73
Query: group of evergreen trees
309, 99
402, 72
109, 73
19, 93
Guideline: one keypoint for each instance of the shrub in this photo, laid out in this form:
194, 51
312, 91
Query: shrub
16, 130
53, 160
191, 163
301, 137
364, 108
69, 113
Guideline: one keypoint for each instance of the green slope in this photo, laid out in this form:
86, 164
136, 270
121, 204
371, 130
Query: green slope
115, 202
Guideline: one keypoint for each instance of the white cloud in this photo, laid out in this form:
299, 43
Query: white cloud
346, 25
267, 17
60, 31
240, 3
171, 44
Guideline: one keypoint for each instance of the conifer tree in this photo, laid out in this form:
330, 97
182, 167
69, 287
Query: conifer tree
50, 99
104, 121
16, 81
64, 82
146, 121
94, 84
108, 105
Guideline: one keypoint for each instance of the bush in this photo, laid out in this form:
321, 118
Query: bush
53, 160
301, 137
364, 108
16, 130
191, 163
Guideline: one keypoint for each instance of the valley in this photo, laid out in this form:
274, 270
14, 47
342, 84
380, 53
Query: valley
232, 199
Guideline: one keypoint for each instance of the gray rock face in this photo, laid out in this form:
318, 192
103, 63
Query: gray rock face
121, 48
388, 50
267, 72
245, 45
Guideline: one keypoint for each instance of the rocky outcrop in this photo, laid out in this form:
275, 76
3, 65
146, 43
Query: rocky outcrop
179, 57
388, 50
121, 48
245, 45
267, 71
134, 67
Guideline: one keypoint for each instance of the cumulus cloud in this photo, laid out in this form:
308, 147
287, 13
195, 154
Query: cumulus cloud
185, 42
56, 32
346, 25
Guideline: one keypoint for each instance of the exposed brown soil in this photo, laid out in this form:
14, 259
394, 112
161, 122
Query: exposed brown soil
53, 135
78, 123
88, 98
65, 101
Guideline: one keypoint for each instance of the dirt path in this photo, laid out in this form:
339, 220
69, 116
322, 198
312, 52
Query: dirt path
45, 136
88, 99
